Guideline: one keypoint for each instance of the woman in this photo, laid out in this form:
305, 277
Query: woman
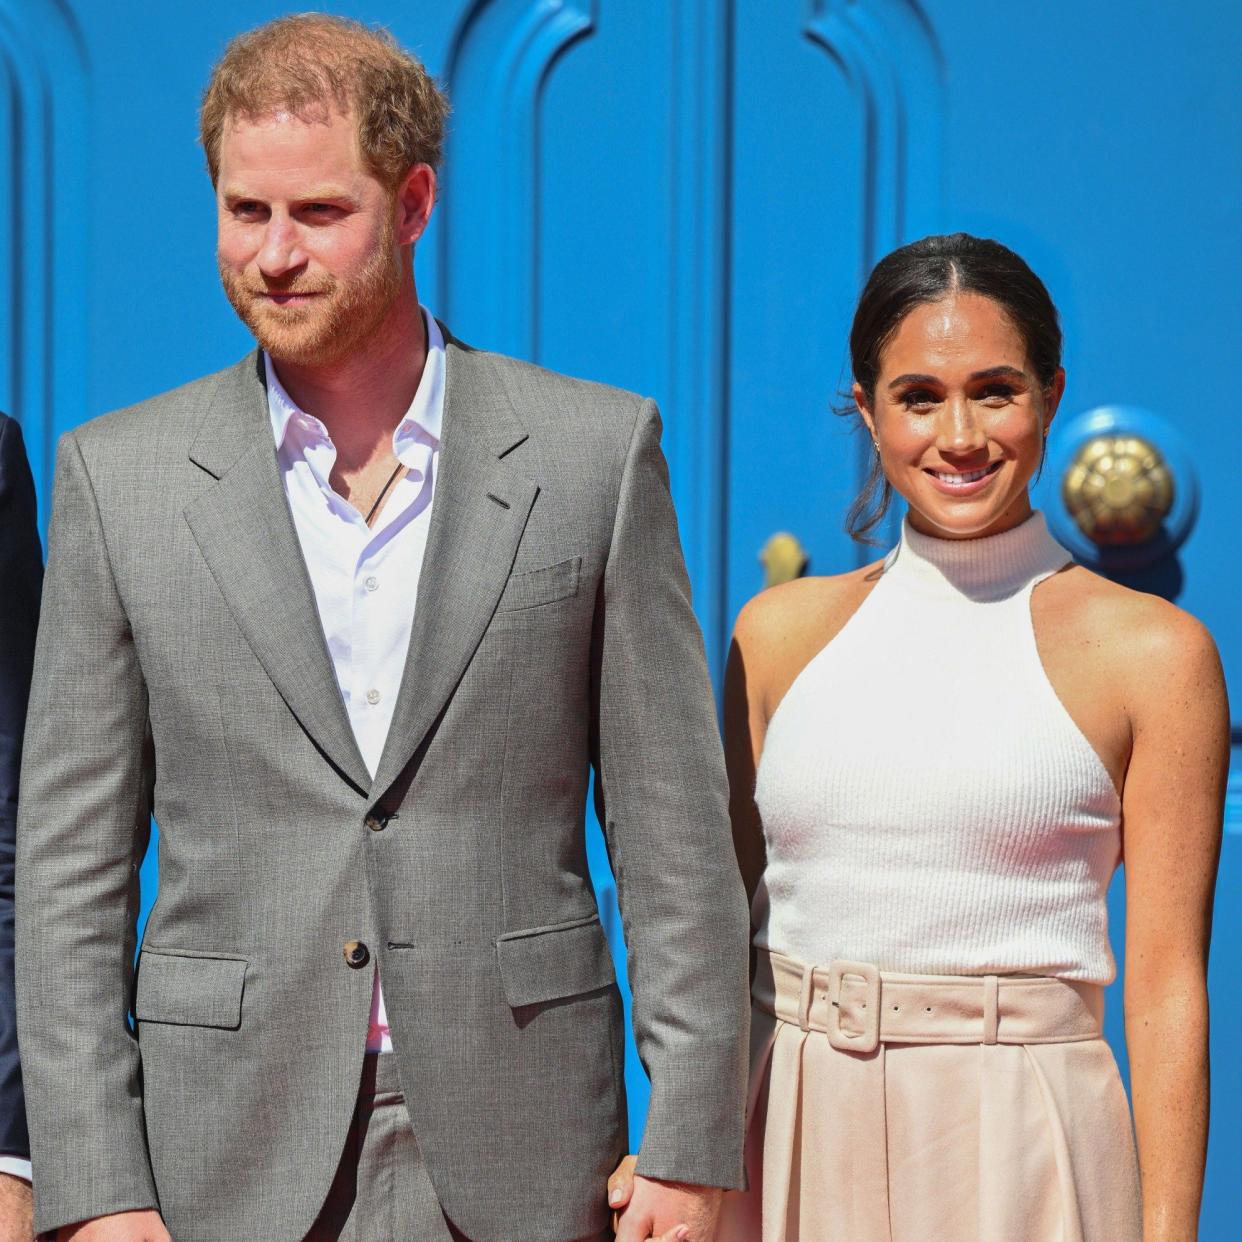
936, 764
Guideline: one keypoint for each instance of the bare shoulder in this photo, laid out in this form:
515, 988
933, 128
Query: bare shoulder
781, 629
1144, 639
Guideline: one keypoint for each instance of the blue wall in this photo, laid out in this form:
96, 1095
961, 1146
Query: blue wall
682, 196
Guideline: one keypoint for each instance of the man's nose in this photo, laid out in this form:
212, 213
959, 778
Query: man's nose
959, 430
281, 252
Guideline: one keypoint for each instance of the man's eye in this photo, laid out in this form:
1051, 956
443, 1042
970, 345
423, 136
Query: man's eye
245, 209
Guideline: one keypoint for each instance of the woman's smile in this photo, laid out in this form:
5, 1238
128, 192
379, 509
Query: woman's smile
963, 482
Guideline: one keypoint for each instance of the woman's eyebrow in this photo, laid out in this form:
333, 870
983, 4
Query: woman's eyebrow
912, 379
1001, 372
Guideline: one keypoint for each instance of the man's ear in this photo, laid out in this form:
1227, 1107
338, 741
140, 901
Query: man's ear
416, 196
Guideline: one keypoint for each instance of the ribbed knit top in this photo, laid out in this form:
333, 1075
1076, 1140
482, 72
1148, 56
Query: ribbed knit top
928, 803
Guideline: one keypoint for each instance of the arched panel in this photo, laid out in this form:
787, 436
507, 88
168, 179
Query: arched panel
584, 221
498, 65
838, 118
889, 55
43, 69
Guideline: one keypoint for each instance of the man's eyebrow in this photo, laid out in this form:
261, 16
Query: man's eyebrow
316, 194
325, 193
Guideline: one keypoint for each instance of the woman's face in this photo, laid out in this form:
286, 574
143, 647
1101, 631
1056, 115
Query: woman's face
960, 417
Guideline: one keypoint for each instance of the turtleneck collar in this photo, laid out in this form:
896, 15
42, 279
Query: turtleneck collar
992, 568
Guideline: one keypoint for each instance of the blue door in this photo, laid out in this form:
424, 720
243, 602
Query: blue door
682, 197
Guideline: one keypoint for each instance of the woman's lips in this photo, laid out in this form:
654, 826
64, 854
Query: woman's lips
962, 482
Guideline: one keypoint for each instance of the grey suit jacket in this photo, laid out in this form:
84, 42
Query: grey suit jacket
181, 670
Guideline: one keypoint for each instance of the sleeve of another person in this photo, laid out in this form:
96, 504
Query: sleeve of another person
21, 575
662, 798
84, 823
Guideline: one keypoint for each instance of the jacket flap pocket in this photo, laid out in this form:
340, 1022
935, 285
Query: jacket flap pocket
541, 586
549, 963
189, 990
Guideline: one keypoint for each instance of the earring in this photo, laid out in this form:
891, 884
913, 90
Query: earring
875, 444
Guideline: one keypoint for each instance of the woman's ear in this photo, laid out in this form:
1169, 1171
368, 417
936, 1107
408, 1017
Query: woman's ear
864, 410
1052, 397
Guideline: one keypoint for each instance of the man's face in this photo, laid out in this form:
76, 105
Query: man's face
306, 240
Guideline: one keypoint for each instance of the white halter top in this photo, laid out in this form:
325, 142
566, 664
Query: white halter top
929, 805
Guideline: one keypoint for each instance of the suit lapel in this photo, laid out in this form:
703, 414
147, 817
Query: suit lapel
245, 532
479, 512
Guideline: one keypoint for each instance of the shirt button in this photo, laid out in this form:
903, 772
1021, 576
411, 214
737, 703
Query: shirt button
376, 823
357, 954
373, 697
372, 583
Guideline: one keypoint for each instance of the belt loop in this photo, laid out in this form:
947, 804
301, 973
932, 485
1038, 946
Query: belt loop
804, 997
991, 1008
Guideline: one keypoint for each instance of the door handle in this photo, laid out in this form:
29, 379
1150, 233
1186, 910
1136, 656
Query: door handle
783, 559
1118, 489
1128, 488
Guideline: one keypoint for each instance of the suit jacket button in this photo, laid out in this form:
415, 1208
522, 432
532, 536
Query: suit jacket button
357, 954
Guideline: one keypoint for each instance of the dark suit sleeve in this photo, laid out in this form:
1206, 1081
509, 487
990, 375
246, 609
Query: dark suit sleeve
663, 801
21, 576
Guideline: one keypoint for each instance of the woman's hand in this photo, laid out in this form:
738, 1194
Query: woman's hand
621, 1188
634, 1214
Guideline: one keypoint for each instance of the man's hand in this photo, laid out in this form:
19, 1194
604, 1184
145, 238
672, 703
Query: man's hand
145, 1226
16, 1209
647, 1210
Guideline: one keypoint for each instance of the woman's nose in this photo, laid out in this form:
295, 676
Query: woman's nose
959, 430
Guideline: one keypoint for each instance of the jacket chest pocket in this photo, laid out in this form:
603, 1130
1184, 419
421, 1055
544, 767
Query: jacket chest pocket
536, 587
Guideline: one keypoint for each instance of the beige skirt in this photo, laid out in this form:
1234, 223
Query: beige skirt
930, 1108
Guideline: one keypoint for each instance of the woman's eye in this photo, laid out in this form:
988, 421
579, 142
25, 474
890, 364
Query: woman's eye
918, 398
997, 393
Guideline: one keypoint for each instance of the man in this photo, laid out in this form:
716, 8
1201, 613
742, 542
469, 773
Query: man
21, 574
354, 618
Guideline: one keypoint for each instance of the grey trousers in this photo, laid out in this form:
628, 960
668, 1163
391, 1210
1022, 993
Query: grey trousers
381, 1192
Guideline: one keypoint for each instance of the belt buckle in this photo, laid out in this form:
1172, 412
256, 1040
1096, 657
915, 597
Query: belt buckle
868, 1039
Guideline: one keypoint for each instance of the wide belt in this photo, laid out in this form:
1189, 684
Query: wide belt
860, 1007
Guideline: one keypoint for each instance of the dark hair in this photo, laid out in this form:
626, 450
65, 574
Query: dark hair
926, 271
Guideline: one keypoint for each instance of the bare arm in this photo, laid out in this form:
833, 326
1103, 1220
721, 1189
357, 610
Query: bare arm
1172, 809
777, 634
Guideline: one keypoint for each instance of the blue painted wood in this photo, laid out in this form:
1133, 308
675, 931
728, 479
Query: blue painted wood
42, 140
682, 197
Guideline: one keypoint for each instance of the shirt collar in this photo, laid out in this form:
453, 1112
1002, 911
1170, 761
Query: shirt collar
422, 423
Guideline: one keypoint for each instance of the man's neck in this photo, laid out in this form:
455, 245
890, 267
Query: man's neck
362, 398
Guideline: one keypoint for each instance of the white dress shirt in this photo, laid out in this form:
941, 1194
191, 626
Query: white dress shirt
18, 1166
365, 579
